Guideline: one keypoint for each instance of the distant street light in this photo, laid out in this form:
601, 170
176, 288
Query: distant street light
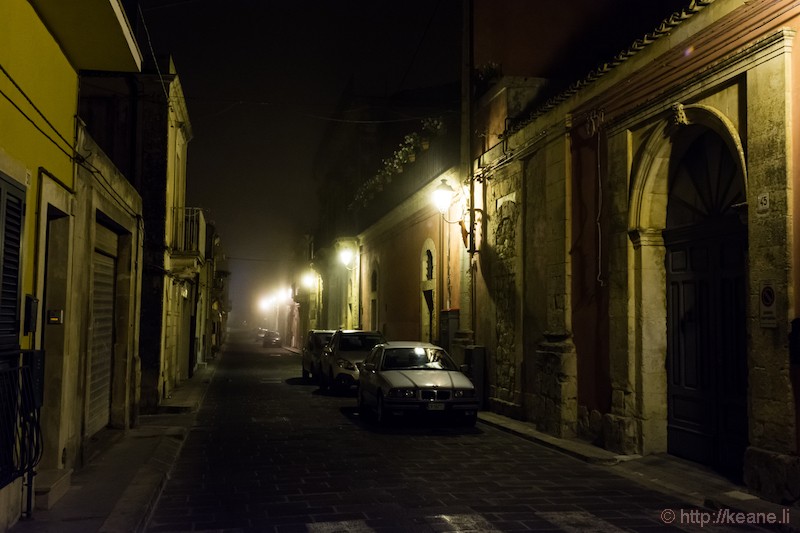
308, 280
346, 256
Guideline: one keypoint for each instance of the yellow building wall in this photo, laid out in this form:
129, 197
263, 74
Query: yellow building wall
37, 109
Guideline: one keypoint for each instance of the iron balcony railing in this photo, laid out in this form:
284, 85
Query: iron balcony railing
189, 231
20, 403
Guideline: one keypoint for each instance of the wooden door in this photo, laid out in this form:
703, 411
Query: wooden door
706, 360
706, 251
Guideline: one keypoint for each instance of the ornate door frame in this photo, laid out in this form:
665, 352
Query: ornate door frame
647, 302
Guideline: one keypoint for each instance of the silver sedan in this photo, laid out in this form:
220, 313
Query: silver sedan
410, 377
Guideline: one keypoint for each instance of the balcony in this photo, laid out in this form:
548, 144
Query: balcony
188, 249
94, 34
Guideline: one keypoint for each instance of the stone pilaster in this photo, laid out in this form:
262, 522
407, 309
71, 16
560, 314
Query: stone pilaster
554, 396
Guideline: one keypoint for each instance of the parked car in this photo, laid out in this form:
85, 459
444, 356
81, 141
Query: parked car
271, 338
342, 353
399, 378
316, 339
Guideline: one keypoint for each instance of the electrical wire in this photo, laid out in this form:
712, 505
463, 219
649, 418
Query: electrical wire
35, 125
419, 44
27, 99
153, 53
599, 215
73, 156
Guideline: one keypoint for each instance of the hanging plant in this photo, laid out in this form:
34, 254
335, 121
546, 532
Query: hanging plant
411, 143
433, 126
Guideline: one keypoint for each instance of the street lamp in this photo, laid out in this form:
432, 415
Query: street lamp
346, 257
443, 197
308, 280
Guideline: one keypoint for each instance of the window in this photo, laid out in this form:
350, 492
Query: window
428, 264
12, 208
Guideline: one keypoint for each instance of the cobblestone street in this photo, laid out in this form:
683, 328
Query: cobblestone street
271, 452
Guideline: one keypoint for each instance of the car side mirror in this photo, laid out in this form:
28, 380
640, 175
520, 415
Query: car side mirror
464, 369
369, 367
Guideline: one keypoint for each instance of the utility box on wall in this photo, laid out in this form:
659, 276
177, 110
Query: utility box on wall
475, 359
448, 325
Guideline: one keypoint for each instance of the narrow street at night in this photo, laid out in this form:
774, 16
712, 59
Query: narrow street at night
272, 452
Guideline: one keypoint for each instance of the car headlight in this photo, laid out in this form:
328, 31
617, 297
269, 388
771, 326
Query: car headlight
402, 393
344, 363
464, 393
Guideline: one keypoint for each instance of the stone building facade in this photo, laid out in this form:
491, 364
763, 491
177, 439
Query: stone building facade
640, 250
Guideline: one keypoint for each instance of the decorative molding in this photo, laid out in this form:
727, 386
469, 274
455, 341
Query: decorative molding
646, 237
679, 115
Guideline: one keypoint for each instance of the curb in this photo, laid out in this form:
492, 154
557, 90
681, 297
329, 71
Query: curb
718, 500
132, 510
576, 448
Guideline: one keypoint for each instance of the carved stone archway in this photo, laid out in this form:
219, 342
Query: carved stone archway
647, 218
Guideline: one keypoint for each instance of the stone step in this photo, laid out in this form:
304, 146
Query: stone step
50, 486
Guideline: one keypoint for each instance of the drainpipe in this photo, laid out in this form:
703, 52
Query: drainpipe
466, 143
794, 334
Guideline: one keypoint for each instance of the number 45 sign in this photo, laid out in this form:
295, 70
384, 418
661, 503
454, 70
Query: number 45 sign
763, 203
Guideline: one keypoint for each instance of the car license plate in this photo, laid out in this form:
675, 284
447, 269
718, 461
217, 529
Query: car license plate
434, 406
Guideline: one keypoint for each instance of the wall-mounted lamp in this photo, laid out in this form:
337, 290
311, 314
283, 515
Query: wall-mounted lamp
443, 196
346, 257
309, 280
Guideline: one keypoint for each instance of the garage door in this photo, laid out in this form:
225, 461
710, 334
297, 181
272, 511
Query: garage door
102, 343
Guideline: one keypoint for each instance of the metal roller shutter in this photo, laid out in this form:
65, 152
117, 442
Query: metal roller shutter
102, 343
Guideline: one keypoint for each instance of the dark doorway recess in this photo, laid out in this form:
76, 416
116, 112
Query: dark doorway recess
706, 251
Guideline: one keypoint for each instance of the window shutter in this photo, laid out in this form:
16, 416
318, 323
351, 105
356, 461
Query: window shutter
12, 207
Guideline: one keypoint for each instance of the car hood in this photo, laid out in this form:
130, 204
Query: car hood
443, 379
353, 357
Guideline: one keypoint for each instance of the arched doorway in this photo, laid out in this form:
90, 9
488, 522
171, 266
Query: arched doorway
706, 250
428, 297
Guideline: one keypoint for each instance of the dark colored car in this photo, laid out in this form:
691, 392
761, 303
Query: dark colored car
316, 339
271, 338
345, 350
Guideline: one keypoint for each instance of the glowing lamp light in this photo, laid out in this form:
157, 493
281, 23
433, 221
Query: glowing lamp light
346, 256
307, 280
443, 196
264, 303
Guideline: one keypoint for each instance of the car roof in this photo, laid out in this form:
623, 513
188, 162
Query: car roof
411, 344
322, 331
360, 331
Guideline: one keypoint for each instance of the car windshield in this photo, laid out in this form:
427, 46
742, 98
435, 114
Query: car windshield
417, 358
321, 339
358, 342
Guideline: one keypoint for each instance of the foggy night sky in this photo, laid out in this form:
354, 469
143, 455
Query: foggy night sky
262, 79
